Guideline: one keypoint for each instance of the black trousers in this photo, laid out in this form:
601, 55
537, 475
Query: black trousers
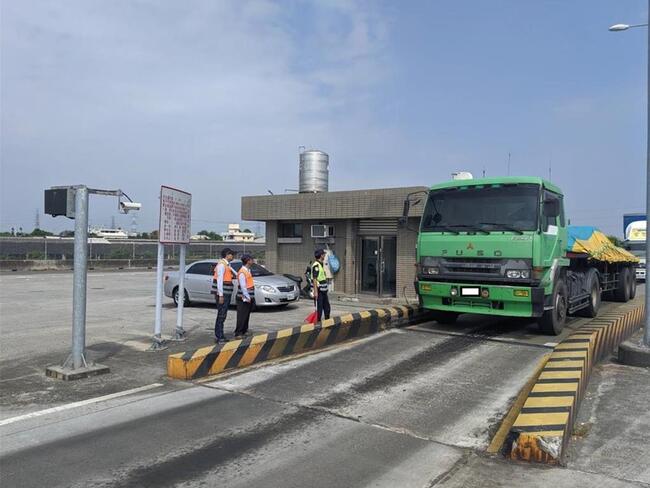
323, 305
243, 316
222, 313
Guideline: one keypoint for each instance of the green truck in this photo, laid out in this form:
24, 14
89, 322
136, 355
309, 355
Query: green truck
503, 246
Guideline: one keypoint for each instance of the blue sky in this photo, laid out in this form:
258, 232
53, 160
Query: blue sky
215, 97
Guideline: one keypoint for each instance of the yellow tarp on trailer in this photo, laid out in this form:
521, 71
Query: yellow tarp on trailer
591, 241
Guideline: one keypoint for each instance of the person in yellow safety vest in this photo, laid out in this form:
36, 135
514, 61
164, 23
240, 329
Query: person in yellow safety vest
223, 286
245, 296
320, 285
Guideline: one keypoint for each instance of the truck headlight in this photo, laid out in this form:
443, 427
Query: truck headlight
430, 270
518, 273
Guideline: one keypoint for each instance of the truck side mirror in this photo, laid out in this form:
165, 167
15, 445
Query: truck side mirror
552, 207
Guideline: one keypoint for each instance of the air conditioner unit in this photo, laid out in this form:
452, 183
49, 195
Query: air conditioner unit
319, 231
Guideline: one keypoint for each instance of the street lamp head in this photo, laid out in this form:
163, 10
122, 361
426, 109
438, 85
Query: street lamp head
619, 27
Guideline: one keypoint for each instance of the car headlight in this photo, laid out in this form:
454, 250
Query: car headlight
268, 289
518, 273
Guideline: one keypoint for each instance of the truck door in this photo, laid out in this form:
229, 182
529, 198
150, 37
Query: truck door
553, 227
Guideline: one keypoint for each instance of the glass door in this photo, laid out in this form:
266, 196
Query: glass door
388, 266
370, 265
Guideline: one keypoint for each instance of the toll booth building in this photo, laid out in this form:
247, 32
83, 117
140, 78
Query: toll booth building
377, 257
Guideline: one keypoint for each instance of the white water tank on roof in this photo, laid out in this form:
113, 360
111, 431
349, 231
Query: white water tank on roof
314, 171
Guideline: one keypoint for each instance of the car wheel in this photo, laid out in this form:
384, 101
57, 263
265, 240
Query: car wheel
186, 302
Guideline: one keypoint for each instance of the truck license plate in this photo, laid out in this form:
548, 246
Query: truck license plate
470, 292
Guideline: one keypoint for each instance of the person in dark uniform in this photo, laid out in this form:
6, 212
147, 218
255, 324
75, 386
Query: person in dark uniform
223, 287
319, 280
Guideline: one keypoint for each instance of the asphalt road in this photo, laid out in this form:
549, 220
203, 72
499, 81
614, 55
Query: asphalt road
36, 322
410, 407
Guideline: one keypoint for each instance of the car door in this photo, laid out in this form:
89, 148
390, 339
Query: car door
198, 281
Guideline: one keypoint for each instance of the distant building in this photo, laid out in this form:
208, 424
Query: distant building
235, 234
110, 233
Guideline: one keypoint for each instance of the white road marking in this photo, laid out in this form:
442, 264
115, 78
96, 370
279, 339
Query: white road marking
79, 404
551, 344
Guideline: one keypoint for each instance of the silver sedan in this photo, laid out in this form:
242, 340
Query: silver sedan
270, 289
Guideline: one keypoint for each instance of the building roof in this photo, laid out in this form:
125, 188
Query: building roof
335, 205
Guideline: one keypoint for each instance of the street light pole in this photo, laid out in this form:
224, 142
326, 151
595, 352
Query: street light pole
646, 335
618, 28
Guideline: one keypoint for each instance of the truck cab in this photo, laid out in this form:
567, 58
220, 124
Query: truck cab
498, 246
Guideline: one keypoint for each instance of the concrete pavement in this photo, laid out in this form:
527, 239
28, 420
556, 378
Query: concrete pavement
409, 407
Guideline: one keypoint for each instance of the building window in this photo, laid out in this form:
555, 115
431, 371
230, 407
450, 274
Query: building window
290, 230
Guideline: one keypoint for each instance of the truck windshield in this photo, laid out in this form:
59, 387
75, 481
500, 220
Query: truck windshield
498, 208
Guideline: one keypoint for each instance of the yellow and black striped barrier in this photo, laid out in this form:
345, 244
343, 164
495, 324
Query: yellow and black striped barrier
543, 427
239, 353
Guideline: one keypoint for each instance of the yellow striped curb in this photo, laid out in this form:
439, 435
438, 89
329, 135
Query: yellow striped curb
543, 427
211, 360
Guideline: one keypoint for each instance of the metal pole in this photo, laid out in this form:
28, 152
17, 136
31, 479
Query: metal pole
45, 247
79, 278
646, 335
180, 333
159, 292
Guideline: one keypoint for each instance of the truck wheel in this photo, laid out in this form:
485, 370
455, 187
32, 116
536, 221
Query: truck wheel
593, 285
444, 317
632, 284
622, 291
552, 321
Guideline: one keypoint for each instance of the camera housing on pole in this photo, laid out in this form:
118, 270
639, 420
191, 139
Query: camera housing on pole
72, 202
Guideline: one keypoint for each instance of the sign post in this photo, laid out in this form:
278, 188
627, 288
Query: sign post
174, 228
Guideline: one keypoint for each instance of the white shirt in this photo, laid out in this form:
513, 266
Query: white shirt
242, 287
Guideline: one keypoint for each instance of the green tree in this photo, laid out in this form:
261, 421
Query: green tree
213, 236
615, 240
40, 233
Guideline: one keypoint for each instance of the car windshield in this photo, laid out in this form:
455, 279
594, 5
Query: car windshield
490, 208
256, 269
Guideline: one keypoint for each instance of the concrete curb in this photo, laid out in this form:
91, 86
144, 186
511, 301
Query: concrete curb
544, 425
237, 354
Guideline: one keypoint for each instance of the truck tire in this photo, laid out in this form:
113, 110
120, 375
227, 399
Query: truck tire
444, 317
552, 321
593, 286
622, 290
632, 284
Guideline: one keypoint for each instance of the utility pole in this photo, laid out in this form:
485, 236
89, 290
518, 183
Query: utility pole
37, 221
508, 164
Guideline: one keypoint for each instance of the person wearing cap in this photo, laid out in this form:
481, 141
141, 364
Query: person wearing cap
320, 285
223, 286
245, 296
